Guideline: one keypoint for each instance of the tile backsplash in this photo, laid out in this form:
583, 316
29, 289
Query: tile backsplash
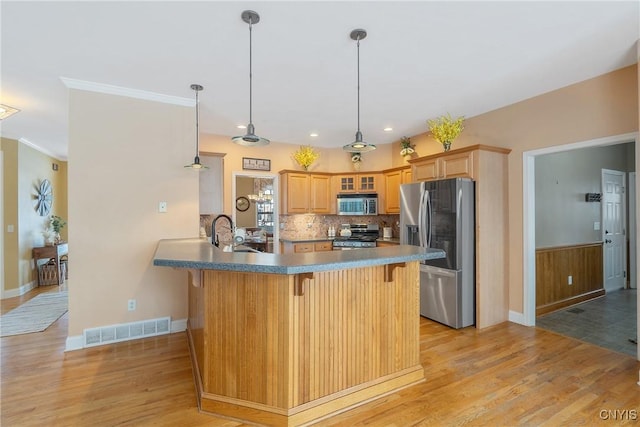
310, 225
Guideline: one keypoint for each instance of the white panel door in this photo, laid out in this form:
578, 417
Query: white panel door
613, 230
631, 231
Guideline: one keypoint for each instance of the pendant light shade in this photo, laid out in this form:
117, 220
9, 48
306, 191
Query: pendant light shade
358, 146
196, 160
250, 139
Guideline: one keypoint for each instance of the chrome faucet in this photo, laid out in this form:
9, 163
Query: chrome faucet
216, 239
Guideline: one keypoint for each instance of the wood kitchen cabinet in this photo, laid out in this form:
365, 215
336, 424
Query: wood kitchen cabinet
453, 164
393, 178
358, 183
303, 192
289, 247
488, 167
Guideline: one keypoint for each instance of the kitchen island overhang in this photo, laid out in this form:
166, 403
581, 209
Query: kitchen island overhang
292, 339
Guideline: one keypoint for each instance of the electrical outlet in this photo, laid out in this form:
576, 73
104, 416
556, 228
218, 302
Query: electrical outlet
131, 305
570, 280
162, 207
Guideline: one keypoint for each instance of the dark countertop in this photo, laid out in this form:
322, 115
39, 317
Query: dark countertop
202, 255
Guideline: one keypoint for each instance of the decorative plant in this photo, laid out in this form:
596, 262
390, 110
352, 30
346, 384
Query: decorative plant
57, 223
407, 148
444, 129
305, 156
52, 234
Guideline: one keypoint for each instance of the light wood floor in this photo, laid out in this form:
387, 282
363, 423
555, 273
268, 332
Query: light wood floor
501, 376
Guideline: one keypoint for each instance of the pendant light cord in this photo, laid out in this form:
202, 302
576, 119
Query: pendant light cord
197, 126
250, 72
358, 44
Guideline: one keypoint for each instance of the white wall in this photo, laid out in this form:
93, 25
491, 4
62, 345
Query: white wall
562, 179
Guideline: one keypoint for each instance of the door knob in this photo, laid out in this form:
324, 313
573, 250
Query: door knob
607, 241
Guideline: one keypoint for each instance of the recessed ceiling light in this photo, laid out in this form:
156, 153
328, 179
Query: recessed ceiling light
6, 111
388, 129
241, 127
313, 134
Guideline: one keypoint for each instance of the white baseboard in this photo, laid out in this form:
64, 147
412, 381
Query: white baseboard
77, 342
516, 317
179, 325
11, 293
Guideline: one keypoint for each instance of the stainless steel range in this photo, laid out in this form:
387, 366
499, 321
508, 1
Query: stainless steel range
362, 236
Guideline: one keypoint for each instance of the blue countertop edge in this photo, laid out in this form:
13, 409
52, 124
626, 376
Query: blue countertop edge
201, 255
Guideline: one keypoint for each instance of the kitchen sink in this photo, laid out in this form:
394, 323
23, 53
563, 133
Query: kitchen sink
239, 248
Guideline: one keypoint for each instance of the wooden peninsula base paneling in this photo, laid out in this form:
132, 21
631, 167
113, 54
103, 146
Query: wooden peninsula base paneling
291, 349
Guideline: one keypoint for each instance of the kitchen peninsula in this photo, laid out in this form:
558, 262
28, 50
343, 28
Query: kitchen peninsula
290, 339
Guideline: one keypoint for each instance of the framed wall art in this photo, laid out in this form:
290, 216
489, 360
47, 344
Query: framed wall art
250, 163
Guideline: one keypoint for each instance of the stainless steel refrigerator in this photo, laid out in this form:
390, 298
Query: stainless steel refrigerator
441, 214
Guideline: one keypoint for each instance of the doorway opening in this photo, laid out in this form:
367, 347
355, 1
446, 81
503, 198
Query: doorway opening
255, 209
529, 214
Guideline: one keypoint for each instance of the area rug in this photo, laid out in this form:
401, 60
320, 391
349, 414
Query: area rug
35, 315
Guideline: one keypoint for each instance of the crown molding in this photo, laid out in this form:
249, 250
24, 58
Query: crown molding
28, 143
128, 92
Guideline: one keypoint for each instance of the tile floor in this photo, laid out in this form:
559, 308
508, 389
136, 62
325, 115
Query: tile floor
609, 321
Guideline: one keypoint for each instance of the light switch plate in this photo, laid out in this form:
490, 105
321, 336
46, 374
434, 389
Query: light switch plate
596, 225
162, 207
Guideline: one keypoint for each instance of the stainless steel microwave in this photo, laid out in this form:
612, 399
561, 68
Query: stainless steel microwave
357, 204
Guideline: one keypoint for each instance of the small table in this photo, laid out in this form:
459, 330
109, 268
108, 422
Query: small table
48, 252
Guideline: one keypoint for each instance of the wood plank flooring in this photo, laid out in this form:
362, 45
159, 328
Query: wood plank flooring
501, 376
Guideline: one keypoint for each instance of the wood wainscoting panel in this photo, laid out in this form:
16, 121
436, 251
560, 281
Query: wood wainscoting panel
554, 266
196, 322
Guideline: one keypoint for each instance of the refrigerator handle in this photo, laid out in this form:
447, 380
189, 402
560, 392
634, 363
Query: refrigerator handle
428, 231
421, 217
424, 215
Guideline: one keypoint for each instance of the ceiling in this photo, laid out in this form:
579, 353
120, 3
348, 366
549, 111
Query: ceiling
421, 59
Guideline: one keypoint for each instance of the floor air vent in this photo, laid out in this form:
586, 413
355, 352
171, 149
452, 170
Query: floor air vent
126, 331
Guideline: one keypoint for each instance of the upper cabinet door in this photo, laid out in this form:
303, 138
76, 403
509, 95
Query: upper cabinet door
210, 193
320, 194
295, 193
454, 165
368, 183
346, 183
392, 181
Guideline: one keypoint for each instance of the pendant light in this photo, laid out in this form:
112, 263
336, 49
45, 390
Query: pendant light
250, 139
196, 161
358, 146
